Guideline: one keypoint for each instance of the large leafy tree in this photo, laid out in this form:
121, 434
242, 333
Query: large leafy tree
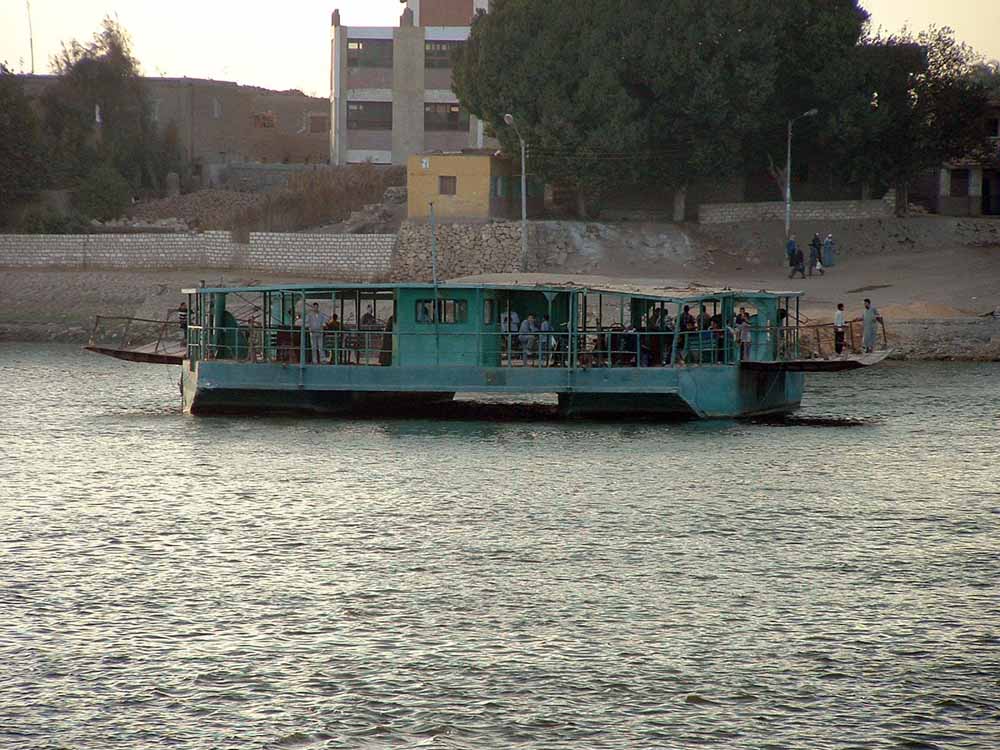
98, 112
618, 90
911, 104
22, 169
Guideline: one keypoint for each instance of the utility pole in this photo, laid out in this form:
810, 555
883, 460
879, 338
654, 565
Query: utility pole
509, 120
31, 37
788, 172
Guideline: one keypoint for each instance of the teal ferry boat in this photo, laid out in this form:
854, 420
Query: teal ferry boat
615, 349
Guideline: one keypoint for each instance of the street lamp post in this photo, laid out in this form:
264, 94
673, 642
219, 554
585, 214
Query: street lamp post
788, 172
509, 119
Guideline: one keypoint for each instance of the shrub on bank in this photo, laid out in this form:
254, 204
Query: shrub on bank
44, 220
104, 194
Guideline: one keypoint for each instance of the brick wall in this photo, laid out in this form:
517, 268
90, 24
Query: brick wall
348, 257
731, 213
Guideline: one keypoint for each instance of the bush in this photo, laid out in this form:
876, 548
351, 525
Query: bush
42, 220
104, 194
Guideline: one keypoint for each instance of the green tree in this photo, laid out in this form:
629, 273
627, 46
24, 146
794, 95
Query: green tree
104, 194
22, 168
98, 112
913, 104
630, 90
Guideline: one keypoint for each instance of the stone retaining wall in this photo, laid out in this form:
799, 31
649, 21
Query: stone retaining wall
732, 213
463, 250
344, 257
946, 338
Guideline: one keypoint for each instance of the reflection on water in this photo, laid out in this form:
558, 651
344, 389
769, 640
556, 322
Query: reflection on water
298, 583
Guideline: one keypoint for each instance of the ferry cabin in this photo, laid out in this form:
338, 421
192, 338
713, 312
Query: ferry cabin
607, 350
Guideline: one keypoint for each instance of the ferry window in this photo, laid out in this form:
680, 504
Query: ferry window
448, 311
489, 312
454, 310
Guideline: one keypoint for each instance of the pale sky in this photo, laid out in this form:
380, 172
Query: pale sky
286, 45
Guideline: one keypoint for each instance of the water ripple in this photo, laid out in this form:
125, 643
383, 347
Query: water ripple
826, 581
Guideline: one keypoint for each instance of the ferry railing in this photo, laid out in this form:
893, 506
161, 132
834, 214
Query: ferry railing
137, 334
820, 339
609, 348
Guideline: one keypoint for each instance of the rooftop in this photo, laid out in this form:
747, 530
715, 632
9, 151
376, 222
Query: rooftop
661, 289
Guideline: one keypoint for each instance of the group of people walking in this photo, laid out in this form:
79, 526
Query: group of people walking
821, 255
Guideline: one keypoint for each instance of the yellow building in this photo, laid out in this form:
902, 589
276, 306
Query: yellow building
467, 185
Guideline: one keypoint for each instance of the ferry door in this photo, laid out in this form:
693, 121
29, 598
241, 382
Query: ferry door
490, 335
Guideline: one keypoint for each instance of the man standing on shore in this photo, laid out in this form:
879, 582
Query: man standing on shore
815, 247
790, 248
870, 333
315, 320
838, 329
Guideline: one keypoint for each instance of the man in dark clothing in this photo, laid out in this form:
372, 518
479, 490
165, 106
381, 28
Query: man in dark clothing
790, 248
798, 264
182, 318
815, 248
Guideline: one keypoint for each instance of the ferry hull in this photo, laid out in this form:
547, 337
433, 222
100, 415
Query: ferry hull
683, 393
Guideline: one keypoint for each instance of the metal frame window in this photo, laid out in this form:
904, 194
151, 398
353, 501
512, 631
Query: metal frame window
447, 185
443, 117
369, 115
440, 54
369, 53
447, 311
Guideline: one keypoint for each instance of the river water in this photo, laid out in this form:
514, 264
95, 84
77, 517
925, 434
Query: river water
168, 581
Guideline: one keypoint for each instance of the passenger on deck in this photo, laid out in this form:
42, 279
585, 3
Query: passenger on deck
182, 319
527, 335
746, 338
871, 319
718, 330
368, 322
385, 354
838, 329
688, 325
333, 329
544, 341
703, 318
315, 321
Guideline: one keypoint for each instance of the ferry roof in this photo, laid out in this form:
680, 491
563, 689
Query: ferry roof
658, 289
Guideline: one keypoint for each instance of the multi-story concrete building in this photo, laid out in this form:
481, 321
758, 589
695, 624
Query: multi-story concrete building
390, 88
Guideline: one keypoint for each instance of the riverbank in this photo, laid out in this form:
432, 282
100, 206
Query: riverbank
935, 280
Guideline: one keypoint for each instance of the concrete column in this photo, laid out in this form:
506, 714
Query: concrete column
680, 203
407, 92
944, 182
338, 95
975, 191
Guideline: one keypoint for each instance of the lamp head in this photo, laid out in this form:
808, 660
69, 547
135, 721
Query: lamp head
508, 118
811, 113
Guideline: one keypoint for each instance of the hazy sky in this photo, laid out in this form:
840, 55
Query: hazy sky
286, 45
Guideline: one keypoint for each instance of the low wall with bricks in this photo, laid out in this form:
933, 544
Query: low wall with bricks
732, 213
347, 257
